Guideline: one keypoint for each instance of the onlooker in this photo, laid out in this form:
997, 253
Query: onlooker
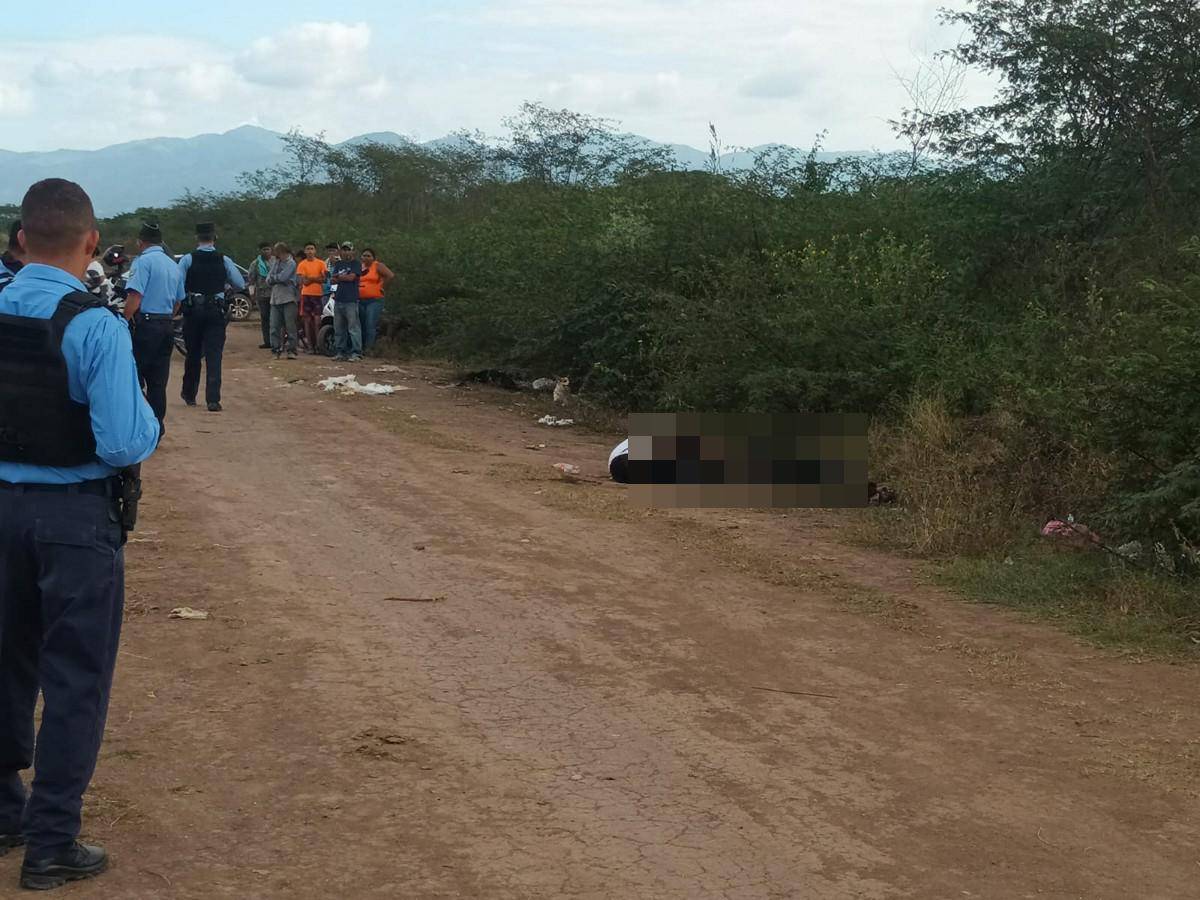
344, 276
96, 279
312, 273
256, 282
285, 298
374, 284
10, 260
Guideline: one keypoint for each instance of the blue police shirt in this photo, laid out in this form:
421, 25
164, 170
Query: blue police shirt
102, 374
232, 275
157, 278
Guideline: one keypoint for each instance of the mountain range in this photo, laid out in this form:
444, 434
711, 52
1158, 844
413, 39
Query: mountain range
157, 171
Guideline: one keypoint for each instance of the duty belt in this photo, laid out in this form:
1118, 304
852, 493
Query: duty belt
100, 487
125, 489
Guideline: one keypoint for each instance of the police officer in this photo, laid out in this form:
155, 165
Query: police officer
153, 296
206, 274
72, 417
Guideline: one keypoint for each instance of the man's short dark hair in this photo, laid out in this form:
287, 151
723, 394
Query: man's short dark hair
55, 216
332, 245
13, 230
265, 245
370, 250
312, 244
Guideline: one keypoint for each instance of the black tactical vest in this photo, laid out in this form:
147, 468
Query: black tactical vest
206, 275
39, 422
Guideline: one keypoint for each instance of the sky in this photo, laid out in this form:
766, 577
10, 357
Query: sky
77, 75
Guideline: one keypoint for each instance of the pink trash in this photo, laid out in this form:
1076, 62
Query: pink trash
1076, 535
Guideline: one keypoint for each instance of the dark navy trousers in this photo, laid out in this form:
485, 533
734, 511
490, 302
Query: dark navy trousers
204, 337
153, 343
62, 594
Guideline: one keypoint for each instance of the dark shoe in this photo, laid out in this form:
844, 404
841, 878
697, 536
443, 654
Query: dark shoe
74, 864
214, 407
11, 841
189, 402
264, 346
291, 354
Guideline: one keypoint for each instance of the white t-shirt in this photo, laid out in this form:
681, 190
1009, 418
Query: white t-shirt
622, 449
95, 267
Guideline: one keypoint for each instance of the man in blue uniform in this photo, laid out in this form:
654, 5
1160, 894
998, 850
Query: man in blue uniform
206, 274
72, 417
154, 293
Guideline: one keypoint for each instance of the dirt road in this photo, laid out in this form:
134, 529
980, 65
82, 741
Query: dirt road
596, 704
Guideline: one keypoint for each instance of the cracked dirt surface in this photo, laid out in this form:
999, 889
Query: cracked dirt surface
594, 704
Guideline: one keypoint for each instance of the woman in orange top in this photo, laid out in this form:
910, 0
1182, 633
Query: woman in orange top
311, 274
371, 287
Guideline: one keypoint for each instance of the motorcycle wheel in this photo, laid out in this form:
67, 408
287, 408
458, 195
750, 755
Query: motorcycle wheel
325, 342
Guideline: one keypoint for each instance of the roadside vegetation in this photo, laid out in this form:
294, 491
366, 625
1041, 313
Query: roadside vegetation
1015, 300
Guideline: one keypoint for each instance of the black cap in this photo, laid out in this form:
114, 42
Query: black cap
150, 233
332, 245
206, 230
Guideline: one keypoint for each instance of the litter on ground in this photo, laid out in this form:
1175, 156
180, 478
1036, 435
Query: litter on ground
382, 369
568, 468
349, 384
186, 612
544, 384
1069, 533
555, 422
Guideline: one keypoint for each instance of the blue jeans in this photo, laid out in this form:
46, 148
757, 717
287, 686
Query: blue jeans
370, 312
346, 329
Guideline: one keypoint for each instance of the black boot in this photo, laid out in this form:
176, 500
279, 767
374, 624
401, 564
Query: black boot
73, 864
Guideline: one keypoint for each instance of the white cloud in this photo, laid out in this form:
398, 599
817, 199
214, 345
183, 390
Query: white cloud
14, 99
762, 70
320, 55
611, 94
774, 85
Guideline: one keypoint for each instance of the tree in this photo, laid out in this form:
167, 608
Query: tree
933, 90
306, 156
1108, 88
564, 147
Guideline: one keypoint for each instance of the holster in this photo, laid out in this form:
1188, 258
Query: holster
131, 495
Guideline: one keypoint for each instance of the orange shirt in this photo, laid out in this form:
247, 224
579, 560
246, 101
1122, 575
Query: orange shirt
311, 268
370, 285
